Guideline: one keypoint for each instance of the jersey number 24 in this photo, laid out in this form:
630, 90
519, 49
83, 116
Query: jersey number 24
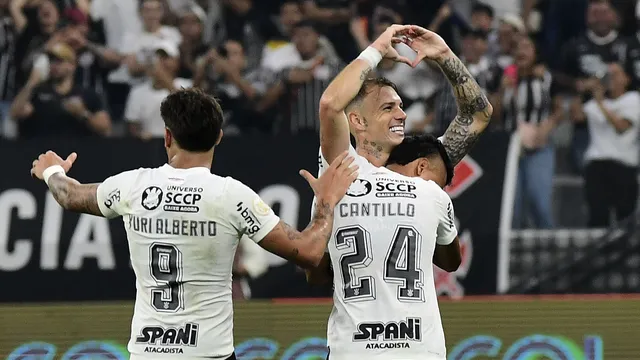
406, 274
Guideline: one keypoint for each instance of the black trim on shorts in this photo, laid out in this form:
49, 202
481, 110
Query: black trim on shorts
232, 357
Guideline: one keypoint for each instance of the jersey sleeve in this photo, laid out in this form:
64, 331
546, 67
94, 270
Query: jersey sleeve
447, 230
113, 194
630, 111
249, 214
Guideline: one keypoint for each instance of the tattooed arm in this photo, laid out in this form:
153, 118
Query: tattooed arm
474, 109
74, 196
305, 248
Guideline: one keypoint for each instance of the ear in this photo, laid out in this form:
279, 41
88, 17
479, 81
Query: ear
219, 137
422, 166
356, 121
168, 138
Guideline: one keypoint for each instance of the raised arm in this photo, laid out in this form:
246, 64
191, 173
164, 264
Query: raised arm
474, 109
334, 126
68, 192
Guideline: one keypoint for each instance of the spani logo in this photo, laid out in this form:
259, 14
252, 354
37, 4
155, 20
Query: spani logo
88, 350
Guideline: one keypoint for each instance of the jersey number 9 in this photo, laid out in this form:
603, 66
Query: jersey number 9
406, 274
166, 270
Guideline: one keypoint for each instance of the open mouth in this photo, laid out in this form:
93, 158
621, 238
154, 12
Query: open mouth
398, 129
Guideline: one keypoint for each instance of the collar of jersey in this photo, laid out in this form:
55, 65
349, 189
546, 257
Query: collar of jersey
168, 167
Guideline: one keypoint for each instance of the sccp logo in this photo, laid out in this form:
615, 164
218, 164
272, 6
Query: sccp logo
151, 197
359, 188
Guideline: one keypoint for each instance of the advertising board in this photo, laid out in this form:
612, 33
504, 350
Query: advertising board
491, 328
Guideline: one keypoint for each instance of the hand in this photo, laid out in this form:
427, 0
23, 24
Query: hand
427, 44
48, 159
393, 35
36, 78
332, 185
75, 106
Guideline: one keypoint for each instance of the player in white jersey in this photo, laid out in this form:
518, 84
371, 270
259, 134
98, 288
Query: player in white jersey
387, 230
183, 226
371, 111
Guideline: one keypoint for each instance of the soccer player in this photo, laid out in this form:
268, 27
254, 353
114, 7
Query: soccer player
371, 109
388, 225
183, 226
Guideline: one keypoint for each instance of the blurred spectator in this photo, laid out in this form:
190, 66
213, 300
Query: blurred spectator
475, 48
613, 119
530, 107
35, 24
136, 53
632, 60
482, 17
239, 89
333, 18
7, 64
281, 27
304, 75
143, 105
504, 7
510, 31
55, 105
588, 57
190, 23
246, 25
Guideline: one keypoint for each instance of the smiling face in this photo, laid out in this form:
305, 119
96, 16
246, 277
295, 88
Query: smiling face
376, 115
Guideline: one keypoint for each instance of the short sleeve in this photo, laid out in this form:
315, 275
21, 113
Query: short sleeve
630, 111
249, 214
447, 230
113, 194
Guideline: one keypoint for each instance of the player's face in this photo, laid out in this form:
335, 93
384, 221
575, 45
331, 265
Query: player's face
382, 110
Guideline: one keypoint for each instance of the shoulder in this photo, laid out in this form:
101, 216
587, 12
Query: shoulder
432, 189
631, 98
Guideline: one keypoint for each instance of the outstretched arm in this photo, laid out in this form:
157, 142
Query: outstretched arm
334, 126
74, 196
474, 109
68, 192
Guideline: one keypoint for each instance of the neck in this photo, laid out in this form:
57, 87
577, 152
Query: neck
398, 169
153, 28
185, 160
373, 152
63, 86
525, 71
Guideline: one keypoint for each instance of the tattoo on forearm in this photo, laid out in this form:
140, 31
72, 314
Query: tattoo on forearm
365, 73
320, 226
74, 196
472, 105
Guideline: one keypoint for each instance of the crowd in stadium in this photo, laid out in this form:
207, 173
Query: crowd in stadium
102, 68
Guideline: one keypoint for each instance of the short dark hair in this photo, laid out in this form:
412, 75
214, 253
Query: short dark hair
480, 7
193, 117
369, 85
417, 146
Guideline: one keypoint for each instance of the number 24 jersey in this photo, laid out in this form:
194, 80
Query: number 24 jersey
384, 235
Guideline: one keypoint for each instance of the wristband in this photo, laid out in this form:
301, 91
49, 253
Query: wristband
371, 56
55, 169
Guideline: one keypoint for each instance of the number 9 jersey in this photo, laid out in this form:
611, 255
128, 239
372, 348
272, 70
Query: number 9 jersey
183, 227
384, 237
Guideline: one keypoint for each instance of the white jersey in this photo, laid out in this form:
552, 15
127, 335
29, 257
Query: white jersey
384, 235
183, 227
